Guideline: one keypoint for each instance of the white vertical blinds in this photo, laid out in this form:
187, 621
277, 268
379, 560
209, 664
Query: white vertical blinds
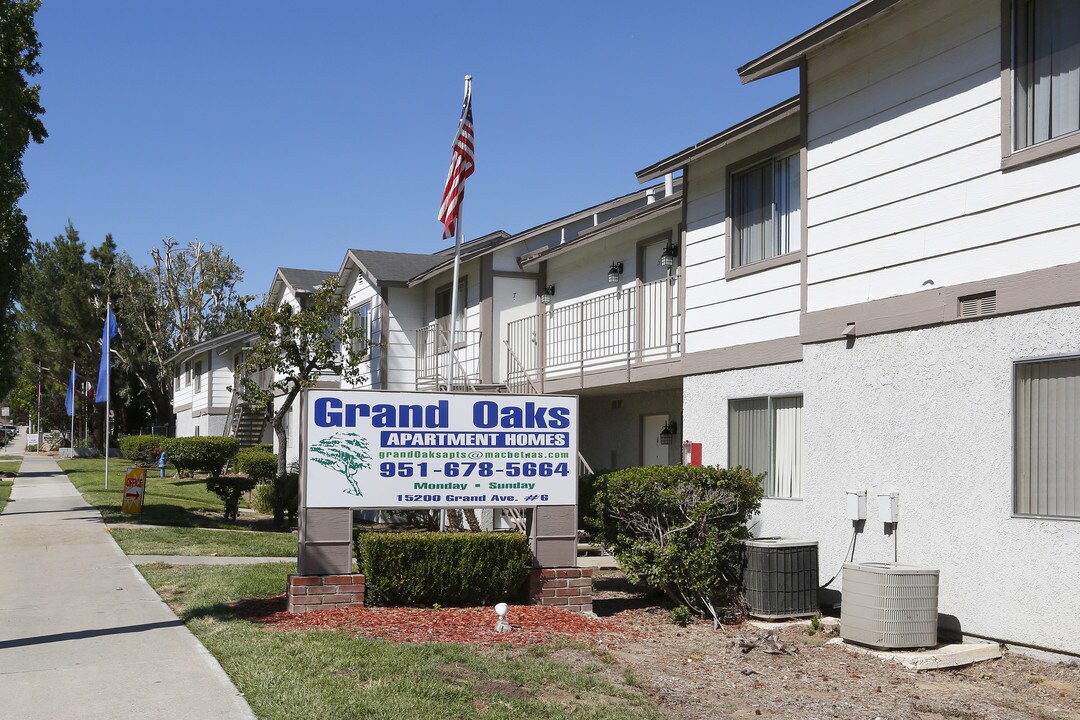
786, 477
1047, 451
765, 211
748, 434
765, 435
1046, 70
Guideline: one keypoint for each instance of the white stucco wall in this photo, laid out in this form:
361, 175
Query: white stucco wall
926, 413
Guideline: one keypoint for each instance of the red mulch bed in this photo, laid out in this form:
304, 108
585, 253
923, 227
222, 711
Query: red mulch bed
532, 624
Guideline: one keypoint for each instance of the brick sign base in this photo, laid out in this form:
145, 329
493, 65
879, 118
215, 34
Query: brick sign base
568, 588
322, 592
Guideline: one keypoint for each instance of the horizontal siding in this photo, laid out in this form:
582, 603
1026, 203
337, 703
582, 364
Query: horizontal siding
770, 328
753, 308
735, 310
904, 162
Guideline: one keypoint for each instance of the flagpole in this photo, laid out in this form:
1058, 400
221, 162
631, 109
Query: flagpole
108, 389
457, 269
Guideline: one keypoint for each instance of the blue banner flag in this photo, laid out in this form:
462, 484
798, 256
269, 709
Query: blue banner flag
69, 401
103, 371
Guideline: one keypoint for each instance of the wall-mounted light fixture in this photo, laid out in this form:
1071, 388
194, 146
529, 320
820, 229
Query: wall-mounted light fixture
614, 273
667, 433
668, 255
545, 297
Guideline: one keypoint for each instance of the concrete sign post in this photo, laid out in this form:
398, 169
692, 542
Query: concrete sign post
419, 450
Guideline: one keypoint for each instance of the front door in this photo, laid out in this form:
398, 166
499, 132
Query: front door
652, 452
513, 298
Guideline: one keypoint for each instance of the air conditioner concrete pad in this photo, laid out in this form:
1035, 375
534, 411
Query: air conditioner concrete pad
942, 656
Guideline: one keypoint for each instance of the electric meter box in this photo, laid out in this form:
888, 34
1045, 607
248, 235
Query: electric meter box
856, 504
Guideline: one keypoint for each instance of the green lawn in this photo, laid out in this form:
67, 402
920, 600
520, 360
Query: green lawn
7, 466
198, 541
329, 674
181, 502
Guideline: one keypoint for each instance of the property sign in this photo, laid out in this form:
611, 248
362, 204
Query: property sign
134, 491
376, 449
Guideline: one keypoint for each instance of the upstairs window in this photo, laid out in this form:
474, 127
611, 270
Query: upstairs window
765, 220
362, 321
1046, 70
198, 376
443, 298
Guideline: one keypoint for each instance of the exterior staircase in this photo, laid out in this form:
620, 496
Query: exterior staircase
247, 426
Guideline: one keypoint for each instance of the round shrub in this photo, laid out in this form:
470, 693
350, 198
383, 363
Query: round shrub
258, 465
679, 529
200, 454
144, 449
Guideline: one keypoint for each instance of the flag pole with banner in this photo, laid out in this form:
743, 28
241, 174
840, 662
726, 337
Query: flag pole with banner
69, 405
461, 167
104, 376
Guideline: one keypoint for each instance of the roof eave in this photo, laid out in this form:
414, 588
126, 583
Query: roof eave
788, 55
722, 139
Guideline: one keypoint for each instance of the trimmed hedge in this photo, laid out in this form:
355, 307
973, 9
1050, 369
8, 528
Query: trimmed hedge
200, 454
258, 465
230, 489
450, 569
142, 448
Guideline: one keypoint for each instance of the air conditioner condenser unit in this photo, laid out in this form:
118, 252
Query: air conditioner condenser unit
888, 605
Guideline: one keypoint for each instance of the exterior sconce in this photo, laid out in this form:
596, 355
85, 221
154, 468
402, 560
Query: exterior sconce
667, 257
545, 297
667, 433
614, 273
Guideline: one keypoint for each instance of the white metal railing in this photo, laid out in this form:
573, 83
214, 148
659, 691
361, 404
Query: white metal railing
432, 345
634, 324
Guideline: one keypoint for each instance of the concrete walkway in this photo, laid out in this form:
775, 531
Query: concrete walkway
82, 635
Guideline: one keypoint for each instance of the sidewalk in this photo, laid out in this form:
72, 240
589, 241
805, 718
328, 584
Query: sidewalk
81, 633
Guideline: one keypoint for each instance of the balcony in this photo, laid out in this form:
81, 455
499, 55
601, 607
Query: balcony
432, 357
618, 330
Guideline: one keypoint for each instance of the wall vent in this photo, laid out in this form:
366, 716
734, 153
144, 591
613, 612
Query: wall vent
780, 578
976, 305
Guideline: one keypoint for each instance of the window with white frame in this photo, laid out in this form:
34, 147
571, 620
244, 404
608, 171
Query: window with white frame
443, 298
1046, 438
362, 321
1046, 70
187, 373
765, 211
198, 376
765, 435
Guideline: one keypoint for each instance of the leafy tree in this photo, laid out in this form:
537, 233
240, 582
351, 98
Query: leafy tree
20, 122
298, 345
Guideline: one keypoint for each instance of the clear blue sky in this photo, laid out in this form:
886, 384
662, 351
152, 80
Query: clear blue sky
289, 131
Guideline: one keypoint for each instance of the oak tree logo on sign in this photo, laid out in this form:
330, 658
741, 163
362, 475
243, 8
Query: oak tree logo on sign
345, 453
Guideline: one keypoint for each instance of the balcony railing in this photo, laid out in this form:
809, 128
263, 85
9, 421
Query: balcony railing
432, 370
632, 325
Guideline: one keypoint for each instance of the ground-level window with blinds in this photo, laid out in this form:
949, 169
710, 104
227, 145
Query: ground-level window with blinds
1046, 452
765, 435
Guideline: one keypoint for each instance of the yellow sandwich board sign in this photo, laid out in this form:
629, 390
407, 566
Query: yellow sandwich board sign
134, 491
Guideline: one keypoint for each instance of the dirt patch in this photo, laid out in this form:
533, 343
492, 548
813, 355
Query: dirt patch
743, 671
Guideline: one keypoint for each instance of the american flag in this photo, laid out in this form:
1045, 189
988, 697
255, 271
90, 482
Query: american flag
461, 167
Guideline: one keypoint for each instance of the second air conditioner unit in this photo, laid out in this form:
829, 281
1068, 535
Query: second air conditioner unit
888, 605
